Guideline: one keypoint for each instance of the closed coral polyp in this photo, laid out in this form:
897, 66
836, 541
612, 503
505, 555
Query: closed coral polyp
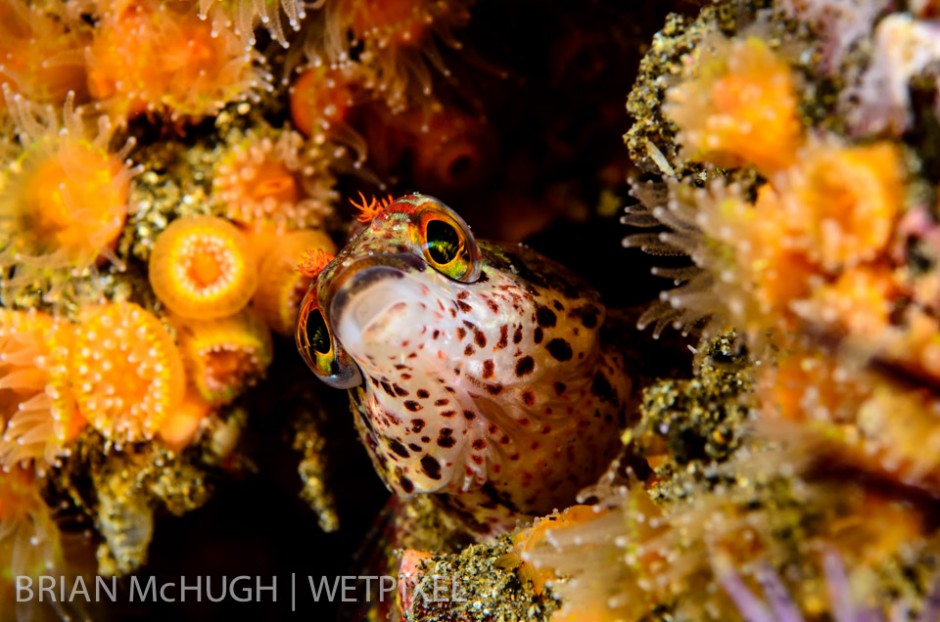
281, 285
126, 371
226, 356
738, 108
201, 268
180, 428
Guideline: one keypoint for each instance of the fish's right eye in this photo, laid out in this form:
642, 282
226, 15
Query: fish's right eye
319, 350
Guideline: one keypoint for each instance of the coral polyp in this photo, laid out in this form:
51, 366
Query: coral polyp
225, 356
398, 41
30, 541
41, 57
161, 57
126, 371
281, 286
182, 426
322, 100
840, 203
243, 16
36, 401
65, 200
739, 107
201, 268
273, 179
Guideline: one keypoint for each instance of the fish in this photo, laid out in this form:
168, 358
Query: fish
476, 370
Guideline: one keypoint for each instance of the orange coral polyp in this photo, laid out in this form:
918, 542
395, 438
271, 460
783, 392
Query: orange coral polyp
841, 203
66, 199
201, 268
739, 108
40, 57
37, 408
392, 22
180, 428
78, 199
126, 371
151, 56
281, 285
319, 95
225, 356
271, 180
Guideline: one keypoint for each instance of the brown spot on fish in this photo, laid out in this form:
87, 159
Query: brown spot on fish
545, 317
431, 466
525, 365
503, 337
559, 349
399, 449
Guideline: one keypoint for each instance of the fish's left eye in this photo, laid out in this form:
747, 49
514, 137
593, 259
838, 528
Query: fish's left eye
320, 351
443, 242
447, 244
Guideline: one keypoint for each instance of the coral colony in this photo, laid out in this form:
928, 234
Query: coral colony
192, 192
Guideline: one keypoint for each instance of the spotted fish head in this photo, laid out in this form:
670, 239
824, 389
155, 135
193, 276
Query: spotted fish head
459, 355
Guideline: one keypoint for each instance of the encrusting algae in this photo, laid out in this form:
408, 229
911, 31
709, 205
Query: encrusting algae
175, 206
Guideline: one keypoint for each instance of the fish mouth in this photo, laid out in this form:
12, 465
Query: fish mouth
373, 309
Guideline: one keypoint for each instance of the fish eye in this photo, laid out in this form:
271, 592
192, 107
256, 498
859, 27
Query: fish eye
316, 345
317, 332
446, 242
443, 241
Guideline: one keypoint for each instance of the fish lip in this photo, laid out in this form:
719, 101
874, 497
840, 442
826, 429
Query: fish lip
367, 288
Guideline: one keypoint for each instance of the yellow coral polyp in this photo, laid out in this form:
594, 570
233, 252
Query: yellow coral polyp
126, 371
281, 285
739, 107
160, 56
37, 408
271, 180
841, 203
201, 268
226, 356
65, 201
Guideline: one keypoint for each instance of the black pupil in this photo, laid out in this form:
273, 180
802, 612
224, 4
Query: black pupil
317, 333
443, 241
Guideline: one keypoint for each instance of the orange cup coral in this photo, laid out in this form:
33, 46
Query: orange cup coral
226, 356
739, 107
36, 402
181, 426
841, 203
66, 199
273, 180
154, 56
282, 286
40, 56
201, 268
126, 371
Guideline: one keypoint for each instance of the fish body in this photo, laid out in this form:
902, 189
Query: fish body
475, 370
